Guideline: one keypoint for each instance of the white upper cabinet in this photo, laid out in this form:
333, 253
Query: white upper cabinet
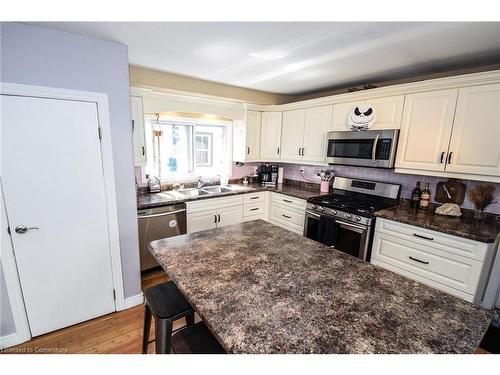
270, 136
426, 129
318, 123
341, 114
139, 142
292, 134
475, 141
304, 134
253, 126
389, 112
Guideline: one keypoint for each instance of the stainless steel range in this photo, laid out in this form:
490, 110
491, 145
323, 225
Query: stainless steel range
344, 220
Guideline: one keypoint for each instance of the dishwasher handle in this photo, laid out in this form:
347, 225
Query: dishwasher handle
162, 214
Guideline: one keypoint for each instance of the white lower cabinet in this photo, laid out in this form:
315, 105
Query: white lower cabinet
229, 216
287, 212
255, 206
455, 265
279, 209
203, 220
214, 213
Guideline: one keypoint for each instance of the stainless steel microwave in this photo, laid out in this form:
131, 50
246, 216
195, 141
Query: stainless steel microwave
371, 148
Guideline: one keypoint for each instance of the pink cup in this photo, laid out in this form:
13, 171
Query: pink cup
325, 186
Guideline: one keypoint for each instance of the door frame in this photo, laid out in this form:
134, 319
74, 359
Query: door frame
9, 264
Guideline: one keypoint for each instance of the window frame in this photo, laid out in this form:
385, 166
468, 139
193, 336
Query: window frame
227, 126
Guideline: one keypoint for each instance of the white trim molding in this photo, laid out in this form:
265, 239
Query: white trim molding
132, 301
101, 100
473, 79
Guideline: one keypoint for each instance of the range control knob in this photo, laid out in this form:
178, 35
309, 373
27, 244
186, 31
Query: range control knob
314, 206
321, 208
358, 218
347, 216
334, 212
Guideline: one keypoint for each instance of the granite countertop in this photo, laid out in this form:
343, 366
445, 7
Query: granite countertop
284, 293
465, 226
145, 200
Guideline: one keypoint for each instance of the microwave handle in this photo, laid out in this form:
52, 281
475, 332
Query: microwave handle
374, 148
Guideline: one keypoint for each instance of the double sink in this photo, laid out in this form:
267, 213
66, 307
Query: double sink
208, 190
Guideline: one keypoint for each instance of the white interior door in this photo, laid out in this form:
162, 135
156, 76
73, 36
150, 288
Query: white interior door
53, 180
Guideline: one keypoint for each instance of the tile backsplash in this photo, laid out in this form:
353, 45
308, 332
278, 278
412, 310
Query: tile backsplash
407, 181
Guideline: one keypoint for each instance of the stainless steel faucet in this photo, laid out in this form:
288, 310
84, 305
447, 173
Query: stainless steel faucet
200, 183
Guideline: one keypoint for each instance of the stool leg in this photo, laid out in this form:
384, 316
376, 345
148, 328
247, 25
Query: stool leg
190, 318
147, 328
163, 336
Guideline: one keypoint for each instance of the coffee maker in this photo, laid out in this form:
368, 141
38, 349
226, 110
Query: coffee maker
268, 175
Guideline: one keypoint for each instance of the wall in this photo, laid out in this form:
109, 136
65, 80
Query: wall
143, 77
38, 56
292, 172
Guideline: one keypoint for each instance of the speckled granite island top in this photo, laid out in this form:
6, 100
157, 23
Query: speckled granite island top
263, 289
145, 201
465, 226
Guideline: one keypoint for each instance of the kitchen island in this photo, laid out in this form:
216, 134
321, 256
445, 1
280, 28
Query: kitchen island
263, 289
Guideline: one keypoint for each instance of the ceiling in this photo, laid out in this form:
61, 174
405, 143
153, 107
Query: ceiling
299, 57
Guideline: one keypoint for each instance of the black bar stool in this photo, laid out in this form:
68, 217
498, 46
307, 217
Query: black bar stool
167, 304
196, 339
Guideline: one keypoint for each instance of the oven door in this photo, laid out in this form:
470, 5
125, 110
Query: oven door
344, 236
369, 148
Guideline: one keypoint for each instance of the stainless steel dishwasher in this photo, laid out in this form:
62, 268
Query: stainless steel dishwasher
158, 223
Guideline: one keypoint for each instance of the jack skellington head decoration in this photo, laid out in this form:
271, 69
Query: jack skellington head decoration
362, 117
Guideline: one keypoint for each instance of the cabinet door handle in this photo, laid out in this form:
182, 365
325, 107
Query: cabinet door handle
248, 150
288, 217
215, 218
449, 157
254, 209
303, 150
418, 260
218, 218
442, 157
299, 150
143, 150
278, 150
425, 238
254, 197
287, 201
133, 125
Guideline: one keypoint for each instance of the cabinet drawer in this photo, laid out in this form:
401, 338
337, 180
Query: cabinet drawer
253, 198
441, 241
254, 209
433, 266
283, 215
288, 201
214, 203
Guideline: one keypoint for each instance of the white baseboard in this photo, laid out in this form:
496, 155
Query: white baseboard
10, 340
138, 299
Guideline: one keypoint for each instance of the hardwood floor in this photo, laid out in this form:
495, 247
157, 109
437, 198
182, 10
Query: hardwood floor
116, 333
119, 332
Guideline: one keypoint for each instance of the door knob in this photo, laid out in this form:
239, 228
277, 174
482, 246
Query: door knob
21, 229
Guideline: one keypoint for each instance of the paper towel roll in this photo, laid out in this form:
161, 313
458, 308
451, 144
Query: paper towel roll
280, 175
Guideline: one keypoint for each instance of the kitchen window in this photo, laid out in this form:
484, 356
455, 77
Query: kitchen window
203, 149
185, 148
